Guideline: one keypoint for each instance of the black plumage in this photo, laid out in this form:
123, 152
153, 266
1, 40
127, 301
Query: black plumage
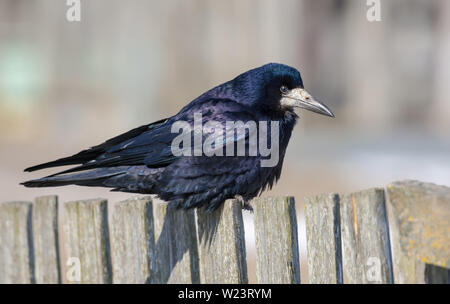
141, 160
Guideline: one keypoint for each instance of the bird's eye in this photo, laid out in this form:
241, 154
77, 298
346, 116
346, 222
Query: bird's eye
284, 89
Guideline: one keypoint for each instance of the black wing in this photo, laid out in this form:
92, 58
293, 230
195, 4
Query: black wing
148, 145
113, 144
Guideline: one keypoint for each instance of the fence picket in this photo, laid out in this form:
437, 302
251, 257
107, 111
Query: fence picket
222, 244
86, 242
366, 255
16, 253
323, 236
277, 256
419, 216
133, 241
176, 245
45, 239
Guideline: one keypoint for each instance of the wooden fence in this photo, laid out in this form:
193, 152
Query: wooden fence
357, 238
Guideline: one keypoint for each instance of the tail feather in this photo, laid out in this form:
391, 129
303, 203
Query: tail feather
71, 160
135, 179
87, 178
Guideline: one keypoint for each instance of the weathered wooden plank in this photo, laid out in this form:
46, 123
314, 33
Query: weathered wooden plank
176, 245
222, 244
16, 244
419, 215
436, 275
366, 256
323, 237
133, 241
277, 255
45, 239
86, 242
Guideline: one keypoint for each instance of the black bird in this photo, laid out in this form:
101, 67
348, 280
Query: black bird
142, 161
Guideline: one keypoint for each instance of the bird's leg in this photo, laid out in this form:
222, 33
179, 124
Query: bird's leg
245, 203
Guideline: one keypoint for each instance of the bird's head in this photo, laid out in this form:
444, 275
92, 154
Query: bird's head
276, 87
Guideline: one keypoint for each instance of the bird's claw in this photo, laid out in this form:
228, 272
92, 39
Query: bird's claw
245, 203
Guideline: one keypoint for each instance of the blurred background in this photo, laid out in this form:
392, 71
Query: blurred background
65, 86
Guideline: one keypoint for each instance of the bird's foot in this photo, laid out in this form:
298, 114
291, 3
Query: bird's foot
245, 203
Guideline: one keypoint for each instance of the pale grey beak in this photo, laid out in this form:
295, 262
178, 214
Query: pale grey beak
300, 98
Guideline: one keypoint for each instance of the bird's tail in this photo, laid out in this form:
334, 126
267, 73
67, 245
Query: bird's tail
95, 177
134, 179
